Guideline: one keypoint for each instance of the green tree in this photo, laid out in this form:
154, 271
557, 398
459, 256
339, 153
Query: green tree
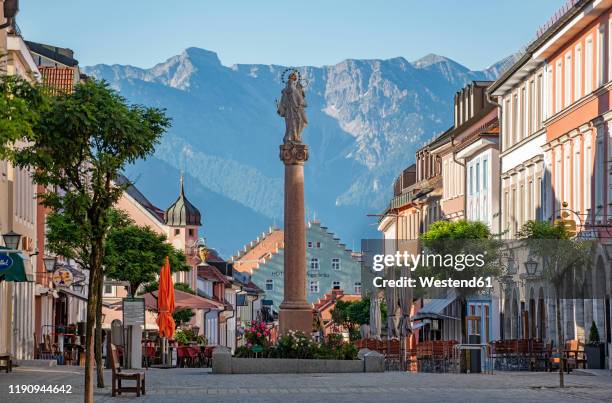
563, 259
20, 106
77, 145
182, 316
352, 314
135, 254
461, 238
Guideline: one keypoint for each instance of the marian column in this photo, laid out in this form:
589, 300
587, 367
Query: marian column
295, 312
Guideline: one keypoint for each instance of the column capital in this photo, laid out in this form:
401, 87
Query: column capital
293, 153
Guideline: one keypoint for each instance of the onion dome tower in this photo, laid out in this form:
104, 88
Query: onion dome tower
182, 213
183, 221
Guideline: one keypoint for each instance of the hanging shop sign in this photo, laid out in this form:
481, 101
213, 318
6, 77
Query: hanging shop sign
6, 262
62, 277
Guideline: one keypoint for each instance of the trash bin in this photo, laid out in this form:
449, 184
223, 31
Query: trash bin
475, 355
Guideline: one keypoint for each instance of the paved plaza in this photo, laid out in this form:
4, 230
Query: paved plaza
199, 385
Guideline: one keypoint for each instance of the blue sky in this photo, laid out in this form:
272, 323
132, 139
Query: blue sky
475, 33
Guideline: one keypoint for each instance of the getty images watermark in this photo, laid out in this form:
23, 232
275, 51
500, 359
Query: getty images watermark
471, 265
458, 262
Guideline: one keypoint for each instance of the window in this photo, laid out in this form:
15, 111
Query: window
310, 244
578, 73
558, 88
577, 177
521, 124
588, 66
539, 100
314, 286
357, 287
566, 174
471, 181
269, 285
515, 119
588, 174
599, 174
506, 132
335, 263
567, 87
336, 285
601, 60
108, 289
485, 174
318, 244
530, 109
177, 231
191, 232
314, 263
549, 98
558, 176
478, 177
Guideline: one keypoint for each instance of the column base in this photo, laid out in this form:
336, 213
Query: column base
295, 318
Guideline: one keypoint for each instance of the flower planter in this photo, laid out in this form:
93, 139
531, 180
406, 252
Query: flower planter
595, 356
224, 363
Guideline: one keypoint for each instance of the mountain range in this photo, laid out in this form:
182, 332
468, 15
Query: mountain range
366, 119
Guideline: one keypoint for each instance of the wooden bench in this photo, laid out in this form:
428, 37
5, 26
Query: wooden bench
8, 363
119, 375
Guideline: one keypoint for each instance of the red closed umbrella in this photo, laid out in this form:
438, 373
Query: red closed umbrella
165, 302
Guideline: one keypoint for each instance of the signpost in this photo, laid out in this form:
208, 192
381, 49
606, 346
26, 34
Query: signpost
133, 319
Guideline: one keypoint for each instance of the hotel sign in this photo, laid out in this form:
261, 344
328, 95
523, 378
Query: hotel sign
315, 274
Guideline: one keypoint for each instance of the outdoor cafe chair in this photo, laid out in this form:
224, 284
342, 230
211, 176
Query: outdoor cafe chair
118, 375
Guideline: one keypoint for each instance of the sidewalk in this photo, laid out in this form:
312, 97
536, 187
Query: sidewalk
199, 385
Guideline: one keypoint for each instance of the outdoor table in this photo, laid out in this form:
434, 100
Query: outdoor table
149, 353
481, 347
187, 355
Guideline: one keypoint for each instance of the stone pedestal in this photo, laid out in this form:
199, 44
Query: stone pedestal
295, 312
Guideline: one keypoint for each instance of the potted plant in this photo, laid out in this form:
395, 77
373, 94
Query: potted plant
594, 349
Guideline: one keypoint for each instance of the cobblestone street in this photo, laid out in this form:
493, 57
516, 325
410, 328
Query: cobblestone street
199, 385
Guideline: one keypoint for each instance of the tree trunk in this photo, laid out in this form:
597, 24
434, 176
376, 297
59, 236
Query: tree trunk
560, 341
98, 342
95, 274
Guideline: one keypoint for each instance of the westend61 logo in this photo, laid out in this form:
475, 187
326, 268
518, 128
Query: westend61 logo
457, 262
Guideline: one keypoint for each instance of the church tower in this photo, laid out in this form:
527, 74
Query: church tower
183, 221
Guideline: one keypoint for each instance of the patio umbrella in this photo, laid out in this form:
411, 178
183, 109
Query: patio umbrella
405, 303
375, 317
12, 267
165, 302
391, 300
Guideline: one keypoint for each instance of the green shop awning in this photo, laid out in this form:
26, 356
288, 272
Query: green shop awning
12, 267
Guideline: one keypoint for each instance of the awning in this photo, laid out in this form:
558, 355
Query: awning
12, 266
183, 300
434, 309
418, 325
78, 295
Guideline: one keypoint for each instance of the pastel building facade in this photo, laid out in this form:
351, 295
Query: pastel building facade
329, 265
17, 211
554, 112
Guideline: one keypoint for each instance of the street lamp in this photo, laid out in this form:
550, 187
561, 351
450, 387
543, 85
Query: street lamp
78, 287
531, 266
511, 264
11, 239
50, 262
